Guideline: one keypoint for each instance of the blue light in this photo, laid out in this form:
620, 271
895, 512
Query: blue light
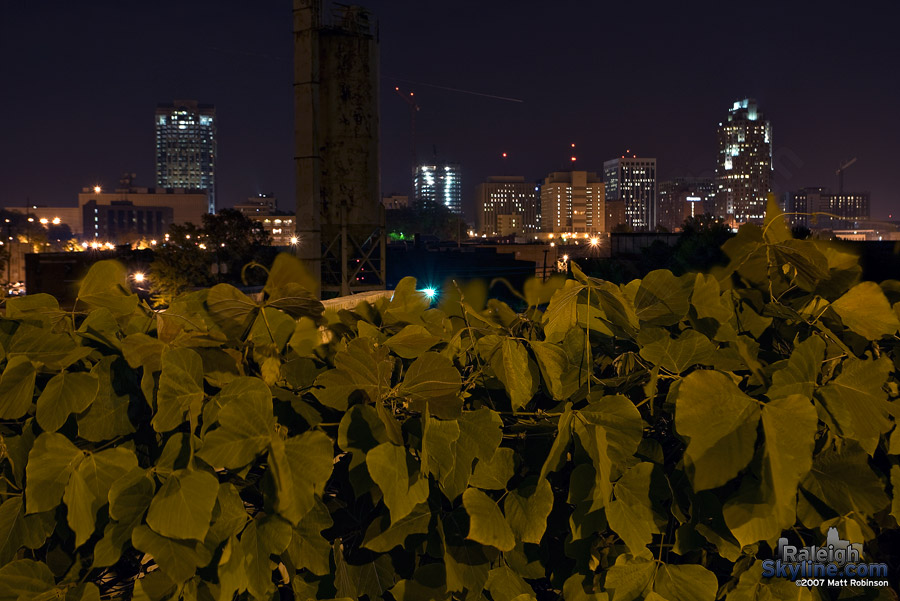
430, 292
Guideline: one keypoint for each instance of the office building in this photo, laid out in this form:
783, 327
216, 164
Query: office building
438, 183
684, 197
261, 204
573, 202
844, 210
744, 164
280, 225
507, 205
395, 202
187, 206
121, 222
186, 147
632, 181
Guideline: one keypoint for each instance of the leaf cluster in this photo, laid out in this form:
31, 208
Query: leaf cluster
645, 441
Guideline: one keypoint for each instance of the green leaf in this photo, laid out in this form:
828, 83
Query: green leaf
106, 286
479, 437
631, 514
382, 536
559, 375
107, 417
431, 376
866, 311
858, 404
18, 530
412, 341
629, 578
263, 537
392, 470
180, 388
439, 446
720, 424
762, 510
685, 583
843, 480
593, 440
622, 424
510, 364
494, 473
24, 579
308, 548
177, 559
89, 485
675, 354
407, 304
505, 585
51, 461
707, 300
811, 266
130, 495
64, 394
182, 507
661, 299
231, 309
44, 348
246, 425
557, 454
486, 523
802, 371
290, 280
526, 509
300, 472
361, 366
272, 327
16, 388
562, 312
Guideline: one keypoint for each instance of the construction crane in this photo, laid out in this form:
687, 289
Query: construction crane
840, 174
413, 109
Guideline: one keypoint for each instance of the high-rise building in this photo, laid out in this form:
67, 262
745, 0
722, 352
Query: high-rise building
438, 183
744, 167
509, 201
632, 180
684, 197
844, 210
186, 147
573, 202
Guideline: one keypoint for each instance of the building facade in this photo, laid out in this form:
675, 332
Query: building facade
261, 204
573, 202
632, 181
186, 147
438, 183
395, 202
187, 206
836, 211
121, 222
744, 164
684, 197
507, 199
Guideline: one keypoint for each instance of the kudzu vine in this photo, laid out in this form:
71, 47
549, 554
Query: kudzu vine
610, 443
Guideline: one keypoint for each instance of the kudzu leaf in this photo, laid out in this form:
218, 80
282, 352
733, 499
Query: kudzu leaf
180, 388
486, 523
107, 417
762, 510
720, 424
264, 536
857, 402
246, 426
430, 376
412, 341
51, 461
182, 507
593, 440
65, 394
510, 364
25, 579
494, 473
106, 286
631, 514
308, 548
89, 485
407, 304
505, 585
439, 446
707, 300
300, 471
685, 583
399, 481
629, 578
802, 371
383, 536
178, 559
562, 312
18, 530
526, 509
622, 424
843, 480
676, 354
865, 310
661, 298
16, 388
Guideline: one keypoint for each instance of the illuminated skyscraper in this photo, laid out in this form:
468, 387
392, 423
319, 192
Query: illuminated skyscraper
573, 202
632, 181
438, 183
507, 199
744, 164
186, 147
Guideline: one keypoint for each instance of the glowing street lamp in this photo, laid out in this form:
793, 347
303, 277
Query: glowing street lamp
97, 189
138, 277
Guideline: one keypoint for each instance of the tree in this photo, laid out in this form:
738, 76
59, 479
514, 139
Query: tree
433, 219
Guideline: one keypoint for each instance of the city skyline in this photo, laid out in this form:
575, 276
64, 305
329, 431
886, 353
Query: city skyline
243, 66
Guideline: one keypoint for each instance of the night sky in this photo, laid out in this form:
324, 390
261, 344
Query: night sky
81, 80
